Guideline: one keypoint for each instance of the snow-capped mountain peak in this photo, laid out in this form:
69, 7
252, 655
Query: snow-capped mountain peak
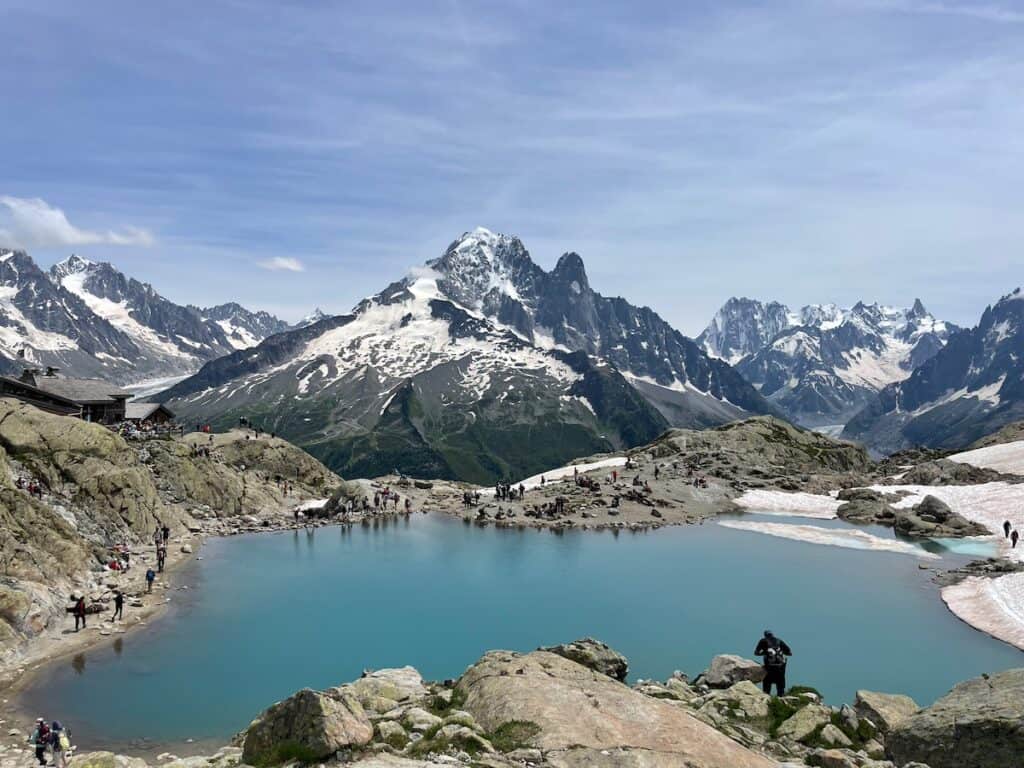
464, 366
72, 265
821, 363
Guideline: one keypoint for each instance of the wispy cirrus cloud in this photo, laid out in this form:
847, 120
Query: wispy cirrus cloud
282, 264
981, 11
31, 222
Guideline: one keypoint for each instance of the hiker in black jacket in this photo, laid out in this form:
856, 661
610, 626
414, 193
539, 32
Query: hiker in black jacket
774, 652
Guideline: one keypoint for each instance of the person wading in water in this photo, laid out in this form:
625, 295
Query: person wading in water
774, 652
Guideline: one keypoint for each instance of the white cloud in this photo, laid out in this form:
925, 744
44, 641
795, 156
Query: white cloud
32, 222
282, 264
973, 10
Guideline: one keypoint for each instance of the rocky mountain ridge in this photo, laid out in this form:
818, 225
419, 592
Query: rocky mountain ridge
478, 366
973, 387
821, 364
91, 320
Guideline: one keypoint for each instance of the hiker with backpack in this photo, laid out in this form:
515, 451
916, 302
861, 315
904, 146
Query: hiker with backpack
774, 652
40, 739
150, 578
60, 744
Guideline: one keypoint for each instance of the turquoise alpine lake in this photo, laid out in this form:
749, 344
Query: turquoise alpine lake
267, 614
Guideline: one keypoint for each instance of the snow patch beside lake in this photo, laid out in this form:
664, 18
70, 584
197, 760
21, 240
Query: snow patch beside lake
848, 538
790, 504
1008, 457
988, 504
995, 606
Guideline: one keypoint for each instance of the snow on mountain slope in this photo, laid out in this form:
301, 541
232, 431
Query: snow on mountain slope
479, 366
90, 320
242, 327
820, 365
970, 388
494, 275
43, 324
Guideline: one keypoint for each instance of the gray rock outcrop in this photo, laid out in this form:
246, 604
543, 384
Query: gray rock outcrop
727, 669
980, 723
885, 710
595, 655
308, 726
933, 517
584, 718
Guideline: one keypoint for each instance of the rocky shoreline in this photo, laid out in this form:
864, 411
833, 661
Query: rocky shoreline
568, 706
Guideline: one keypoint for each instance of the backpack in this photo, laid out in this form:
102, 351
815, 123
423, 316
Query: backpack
64, 742
773, 656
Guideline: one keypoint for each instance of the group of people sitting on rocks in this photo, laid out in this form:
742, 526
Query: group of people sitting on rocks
53, 738
33, 486
549, 510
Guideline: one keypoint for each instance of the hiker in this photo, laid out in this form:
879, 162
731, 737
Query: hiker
774, 652
60, 744
1006, 529
167, 534
1013, 539
40, 738
79, 612
118, 605
150, 578
161, 558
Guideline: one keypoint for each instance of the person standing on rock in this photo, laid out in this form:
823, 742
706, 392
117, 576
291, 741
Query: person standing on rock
774, 653
79, 612
118, 605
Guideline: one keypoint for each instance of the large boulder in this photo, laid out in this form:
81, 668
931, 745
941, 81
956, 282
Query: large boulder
980, 723
579, 717
385, 689
105, 760
595, 655
805, 722
885, 710
727, 670
933, 517
308, 726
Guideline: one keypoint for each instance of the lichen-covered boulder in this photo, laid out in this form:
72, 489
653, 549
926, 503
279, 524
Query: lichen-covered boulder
594, 655
980, 723
308, 726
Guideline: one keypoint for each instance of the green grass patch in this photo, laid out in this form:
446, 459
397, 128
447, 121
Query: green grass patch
286, 752
778, 713
515, 734
438, 706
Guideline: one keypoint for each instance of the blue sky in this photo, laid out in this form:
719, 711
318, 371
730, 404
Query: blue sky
295, 154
